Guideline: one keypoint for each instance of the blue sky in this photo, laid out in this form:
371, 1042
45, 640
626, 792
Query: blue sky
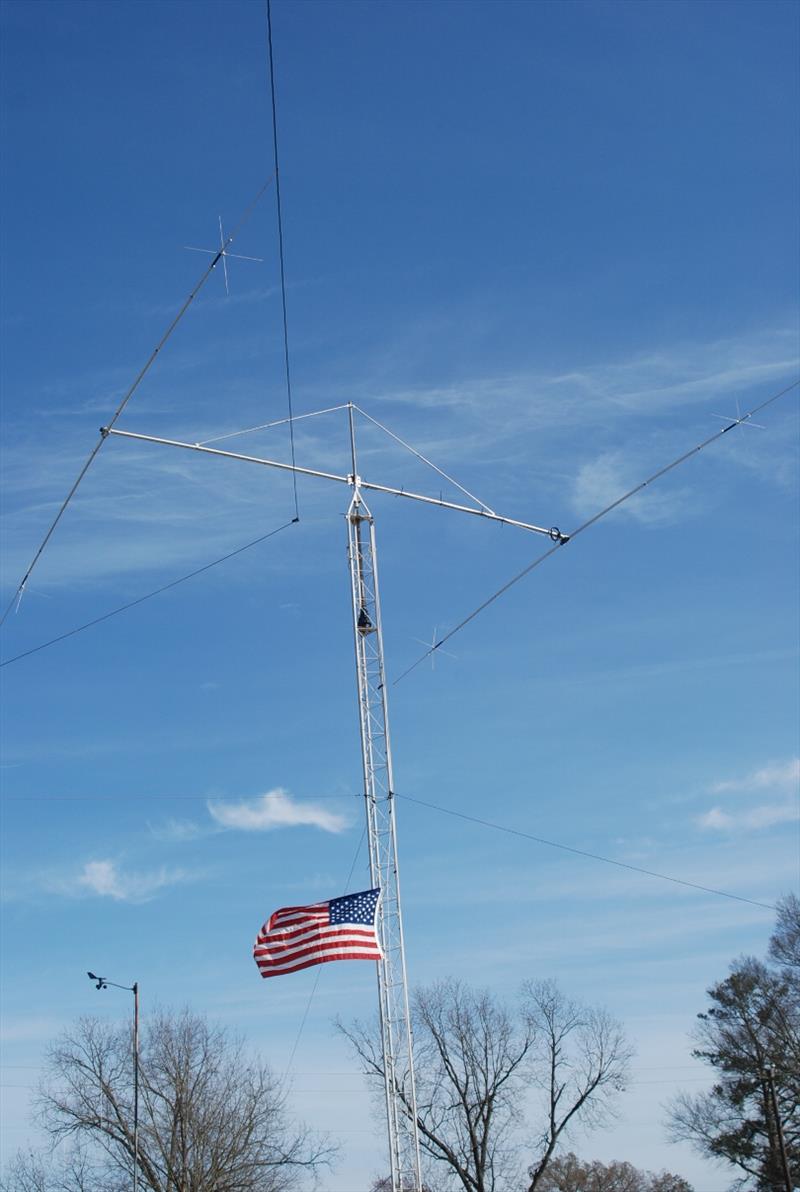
545, 243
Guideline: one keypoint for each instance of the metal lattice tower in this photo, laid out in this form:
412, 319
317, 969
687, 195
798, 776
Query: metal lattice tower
401, 1105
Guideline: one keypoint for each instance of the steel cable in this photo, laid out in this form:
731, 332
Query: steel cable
141, 599
128, 395
591, 521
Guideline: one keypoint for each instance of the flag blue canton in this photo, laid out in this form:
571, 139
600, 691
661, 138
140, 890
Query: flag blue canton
355, 908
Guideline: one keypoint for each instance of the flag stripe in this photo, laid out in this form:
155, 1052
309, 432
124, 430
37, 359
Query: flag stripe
331, 935
304, 964
332, 950
291, 933
299, 914
295, 921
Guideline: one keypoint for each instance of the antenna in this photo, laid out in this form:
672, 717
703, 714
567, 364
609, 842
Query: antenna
739, 420
379, 790
128, 395
376, 760
222, 254
431, 648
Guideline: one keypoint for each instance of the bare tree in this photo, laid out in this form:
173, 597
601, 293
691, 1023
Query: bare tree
568, 1173
385, 1185
70, 1171
476, 1062
468, 1056
211, 1119
585, 1063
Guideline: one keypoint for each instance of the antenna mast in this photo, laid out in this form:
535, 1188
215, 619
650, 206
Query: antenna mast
376, 755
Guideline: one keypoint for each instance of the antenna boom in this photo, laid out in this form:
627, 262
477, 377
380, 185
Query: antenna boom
553, 533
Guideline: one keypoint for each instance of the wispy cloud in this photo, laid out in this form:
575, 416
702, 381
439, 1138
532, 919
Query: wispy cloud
781, 780
784, 776
690, 372
603, 480
105, 879
645, 382
765, 816
592, 433
275, 809
144, 509
179, 831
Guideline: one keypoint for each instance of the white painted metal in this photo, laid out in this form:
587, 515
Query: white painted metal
553, 533
376, 756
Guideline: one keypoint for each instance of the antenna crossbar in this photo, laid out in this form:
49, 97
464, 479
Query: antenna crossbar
250, 459
553, 533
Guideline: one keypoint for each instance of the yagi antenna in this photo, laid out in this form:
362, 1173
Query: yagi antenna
222, 254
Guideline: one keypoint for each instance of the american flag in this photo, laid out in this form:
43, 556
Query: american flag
295, 937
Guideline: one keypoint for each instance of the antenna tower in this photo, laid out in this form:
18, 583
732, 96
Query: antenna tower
379, 803
376, 757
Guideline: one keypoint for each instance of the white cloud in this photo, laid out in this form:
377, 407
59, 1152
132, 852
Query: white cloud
648, 382
605, 479
275, 809
148, 509
784, 776
779, 779
106, 880
765, 816
178, 831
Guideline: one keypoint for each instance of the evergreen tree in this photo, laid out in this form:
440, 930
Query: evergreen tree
750, 1034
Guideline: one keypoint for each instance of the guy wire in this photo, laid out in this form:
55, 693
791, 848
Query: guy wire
280, 248
129, 394
424, 459
591, 521
149, 595
664, 877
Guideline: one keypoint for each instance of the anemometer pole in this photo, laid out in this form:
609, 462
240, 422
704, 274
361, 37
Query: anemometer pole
376, 759
376, 756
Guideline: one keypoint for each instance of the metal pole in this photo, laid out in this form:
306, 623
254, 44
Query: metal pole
554, 534
395, 1020
135, 1086
103, 983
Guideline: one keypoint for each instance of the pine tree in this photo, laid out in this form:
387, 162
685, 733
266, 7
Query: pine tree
750, 1034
